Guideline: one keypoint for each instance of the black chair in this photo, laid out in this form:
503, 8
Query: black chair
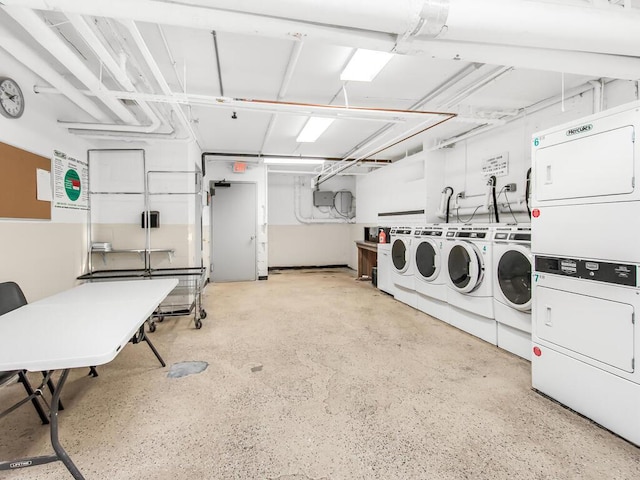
11, 298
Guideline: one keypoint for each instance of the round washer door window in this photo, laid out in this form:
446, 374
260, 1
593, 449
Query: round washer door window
514, 278
427, 260
465, 267
399, 255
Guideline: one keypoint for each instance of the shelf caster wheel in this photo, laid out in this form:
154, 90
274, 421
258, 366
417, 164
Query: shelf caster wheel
198, 324
203, 313
160, 319
152, 327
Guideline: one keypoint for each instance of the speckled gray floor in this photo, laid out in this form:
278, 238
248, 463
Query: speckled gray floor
313, 375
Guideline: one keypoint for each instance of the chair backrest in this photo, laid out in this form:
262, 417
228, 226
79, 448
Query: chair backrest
11, 297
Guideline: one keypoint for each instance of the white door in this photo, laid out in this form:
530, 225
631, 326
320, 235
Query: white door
233, 232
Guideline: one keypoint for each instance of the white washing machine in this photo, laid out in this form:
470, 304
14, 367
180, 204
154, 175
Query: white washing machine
431, 270
512, 288
586, 294
402, 268
469, 280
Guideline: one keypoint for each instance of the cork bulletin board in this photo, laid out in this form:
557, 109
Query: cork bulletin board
18, 184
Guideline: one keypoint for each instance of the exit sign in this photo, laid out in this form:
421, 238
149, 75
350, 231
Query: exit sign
239, 167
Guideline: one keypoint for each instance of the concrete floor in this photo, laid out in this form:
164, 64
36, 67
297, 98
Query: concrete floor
314, 375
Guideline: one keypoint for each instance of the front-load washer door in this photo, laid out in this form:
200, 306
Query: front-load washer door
513, 272
466, 267
399, 255
428, 259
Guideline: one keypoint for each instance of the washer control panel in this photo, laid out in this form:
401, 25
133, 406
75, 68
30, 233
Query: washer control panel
616, 273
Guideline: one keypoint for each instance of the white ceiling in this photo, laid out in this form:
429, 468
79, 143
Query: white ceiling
253, 66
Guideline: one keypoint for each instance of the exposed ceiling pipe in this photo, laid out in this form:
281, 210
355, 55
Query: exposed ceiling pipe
217, 52
119, 75
294, 56
465, 93
33, 60
127, 137
171, 59
448, 83
559, 38
40, 31
536, 107
579, 63
206, 18
157, 74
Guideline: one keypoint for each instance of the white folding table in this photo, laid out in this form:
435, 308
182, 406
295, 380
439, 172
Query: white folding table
82, 327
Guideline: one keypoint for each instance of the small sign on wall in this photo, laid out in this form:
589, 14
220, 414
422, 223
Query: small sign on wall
497, 165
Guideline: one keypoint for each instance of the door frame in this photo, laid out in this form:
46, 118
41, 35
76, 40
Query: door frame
212, 225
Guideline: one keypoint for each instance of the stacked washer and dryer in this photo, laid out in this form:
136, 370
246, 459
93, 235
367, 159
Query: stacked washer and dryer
586, 281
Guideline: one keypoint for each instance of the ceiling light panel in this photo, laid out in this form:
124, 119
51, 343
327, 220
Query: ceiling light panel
365, 65
314, 127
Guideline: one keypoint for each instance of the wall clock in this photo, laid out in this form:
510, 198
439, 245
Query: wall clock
11, 98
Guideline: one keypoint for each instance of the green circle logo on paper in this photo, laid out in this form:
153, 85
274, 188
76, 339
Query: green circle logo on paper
72, 185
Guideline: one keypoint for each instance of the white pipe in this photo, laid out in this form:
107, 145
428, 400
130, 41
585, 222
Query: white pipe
296, 210
489, 78
579, 63
32, 60
523, 112
557, 35
206, 18
155, 70
118, 73
40, 31
597, 92
547, 25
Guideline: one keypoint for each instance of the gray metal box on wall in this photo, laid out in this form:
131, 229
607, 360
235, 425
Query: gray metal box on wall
322, 199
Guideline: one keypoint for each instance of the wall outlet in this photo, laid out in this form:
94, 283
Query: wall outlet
510, 187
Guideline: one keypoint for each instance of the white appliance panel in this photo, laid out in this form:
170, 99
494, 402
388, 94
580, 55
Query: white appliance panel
586, 231
593, 166
384, 268
594, 327
606, 398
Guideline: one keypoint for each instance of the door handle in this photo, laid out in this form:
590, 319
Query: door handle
548, 321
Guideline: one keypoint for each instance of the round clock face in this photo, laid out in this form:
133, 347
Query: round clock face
11, 98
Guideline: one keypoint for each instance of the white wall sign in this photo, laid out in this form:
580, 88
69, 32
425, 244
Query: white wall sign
70, 182
497, 165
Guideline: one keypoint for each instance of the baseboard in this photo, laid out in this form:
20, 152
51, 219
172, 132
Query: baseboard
263, 277
307, 267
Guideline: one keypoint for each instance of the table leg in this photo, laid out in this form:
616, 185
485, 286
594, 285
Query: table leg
55, 442
141, 336
60, 453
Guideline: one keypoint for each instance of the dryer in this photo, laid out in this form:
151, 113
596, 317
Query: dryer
470, 280
431, 270
512, 267
402, 268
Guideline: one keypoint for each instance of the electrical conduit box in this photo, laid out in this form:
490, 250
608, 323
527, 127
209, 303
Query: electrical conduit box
322, 198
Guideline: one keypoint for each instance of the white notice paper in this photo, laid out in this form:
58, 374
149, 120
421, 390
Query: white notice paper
43, 184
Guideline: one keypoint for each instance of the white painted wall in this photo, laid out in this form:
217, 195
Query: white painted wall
43, 257
116, 218
326, 240
399, 186
217, 170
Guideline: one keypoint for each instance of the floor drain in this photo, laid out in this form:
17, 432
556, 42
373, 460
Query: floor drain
182, 369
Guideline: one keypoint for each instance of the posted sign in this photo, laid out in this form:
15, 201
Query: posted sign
70, 182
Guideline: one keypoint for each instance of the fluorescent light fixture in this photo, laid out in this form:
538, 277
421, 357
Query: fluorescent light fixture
365, 65
314, 127
293, 161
